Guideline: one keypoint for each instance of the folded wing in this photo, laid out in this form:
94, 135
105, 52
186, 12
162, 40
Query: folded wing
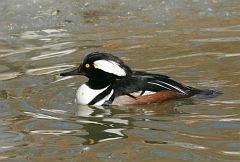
142, 83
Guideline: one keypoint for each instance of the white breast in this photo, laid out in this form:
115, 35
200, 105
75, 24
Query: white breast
85, 95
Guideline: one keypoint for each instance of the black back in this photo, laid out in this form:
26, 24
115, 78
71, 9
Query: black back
143, 81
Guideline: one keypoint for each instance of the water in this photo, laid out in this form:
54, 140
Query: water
195, 42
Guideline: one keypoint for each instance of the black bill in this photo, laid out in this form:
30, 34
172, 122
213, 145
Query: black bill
73, 72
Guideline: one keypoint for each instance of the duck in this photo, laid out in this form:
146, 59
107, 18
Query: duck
113, 82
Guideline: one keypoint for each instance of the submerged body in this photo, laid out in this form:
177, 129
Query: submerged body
112, 82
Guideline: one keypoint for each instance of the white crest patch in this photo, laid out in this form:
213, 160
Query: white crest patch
110, 67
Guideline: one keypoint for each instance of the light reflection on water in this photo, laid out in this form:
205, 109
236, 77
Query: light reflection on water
40, 122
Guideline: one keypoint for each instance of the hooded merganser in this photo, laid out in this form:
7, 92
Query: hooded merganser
112, 82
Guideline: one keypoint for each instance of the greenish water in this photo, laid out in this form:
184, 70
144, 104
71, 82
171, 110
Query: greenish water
197, 43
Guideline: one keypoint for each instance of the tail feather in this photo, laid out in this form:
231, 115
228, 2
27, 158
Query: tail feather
208, 93
203, 93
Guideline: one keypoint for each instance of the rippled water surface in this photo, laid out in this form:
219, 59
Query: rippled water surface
195, 42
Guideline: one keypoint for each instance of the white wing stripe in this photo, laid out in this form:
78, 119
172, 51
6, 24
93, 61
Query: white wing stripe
158, 85
172, 86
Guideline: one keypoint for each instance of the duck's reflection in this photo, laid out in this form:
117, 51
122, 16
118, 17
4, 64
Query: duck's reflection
92, 111
101, 123
110, 123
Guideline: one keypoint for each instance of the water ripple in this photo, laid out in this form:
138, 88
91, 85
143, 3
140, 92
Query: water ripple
9, 75
53, 54
216, 54
232, 54
42, 116
192, 136
227, 102
231, 153
210, 116
109, 139
216, 40
117, 131
235, 28
59, 78
10, 53
54, 111
57, 132
44, 33
48, 69
190, 146
230, 119
115, 120
5, 147
60, 45
191, 55
89, 122
180, 144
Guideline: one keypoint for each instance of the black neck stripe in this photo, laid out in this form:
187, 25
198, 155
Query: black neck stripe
101, 96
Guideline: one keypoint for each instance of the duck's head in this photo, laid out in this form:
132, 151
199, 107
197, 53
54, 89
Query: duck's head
101, 67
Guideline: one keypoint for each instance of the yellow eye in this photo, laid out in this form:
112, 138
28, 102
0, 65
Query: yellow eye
87, 65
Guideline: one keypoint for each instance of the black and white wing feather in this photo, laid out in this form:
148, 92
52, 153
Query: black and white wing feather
142, 82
